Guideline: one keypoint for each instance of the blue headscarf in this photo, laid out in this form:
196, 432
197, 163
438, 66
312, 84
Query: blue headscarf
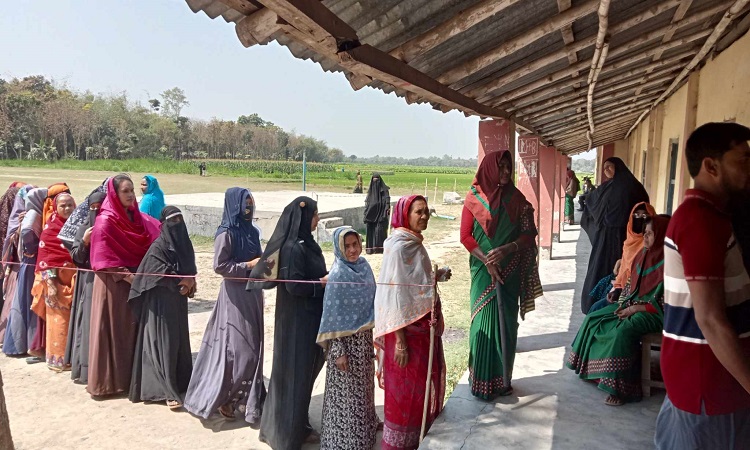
243, 235
347, 308
153, 199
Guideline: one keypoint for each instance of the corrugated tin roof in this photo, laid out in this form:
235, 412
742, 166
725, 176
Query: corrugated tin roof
542, 81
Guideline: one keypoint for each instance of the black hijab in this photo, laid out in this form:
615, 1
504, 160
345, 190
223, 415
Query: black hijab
611, 203
243, 235
170, 254
295, 225
378, 200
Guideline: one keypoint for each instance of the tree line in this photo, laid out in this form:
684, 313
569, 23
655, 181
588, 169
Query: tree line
40, 120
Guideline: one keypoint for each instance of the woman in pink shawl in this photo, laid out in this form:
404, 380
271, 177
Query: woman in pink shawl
120, 239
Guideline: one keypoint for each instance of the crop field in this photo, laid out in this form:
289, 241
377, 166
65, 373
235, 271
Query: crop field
275, 174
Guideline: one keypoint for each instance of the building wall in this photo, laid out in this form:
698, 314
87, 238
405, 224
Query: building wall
722, 92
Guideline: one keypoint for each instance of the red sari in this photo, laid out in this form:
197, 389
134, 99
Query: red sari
405, 387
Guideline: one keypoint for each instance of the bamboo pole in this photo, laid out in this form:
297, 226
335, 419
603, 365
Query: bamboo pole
433, 324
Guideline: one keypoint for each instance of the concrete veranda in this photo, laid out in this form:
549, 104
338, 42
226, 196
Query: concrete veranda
551, 408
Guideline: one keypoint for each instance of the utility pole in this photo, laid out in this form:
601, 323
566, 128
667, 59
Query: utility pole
304, 170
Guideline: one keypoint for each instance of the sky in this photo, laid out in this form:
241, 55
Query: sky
144, 47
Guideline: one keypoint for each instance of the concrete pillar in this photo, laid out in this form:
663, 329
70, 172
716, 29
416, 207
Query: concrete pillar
538, 173
559, 195
606, 151
496, 135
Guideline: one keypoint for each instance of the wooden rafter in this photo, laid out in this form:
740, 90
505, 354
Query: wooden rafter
716, 33
567, 32
458, 24
569, 120
482, 90
512, 45
547, 83
314, 25
679, 14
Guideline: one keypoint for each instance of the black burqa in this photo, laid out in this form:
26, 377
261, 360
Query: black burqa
77, 346
162, 361
377, 212
293, 254
605, 220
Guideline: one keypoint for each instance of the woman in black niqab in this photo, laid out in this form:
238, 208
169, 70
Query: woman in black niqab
377, 214
162, 361
605, 220
293, 255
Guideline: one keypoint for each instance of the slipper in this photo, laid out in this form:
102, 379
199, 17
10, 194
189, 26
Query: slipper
174, 405
34, 360
226, 414
614, 401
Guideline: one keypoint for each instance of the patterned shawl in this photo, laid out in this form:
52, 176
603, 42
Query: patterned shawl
79, 216
116, 240
648, 267
347, 308
153, 199
52, 253
405, 292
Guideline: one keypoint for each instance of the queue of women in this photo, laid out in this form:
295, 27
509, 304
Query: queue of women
102, 289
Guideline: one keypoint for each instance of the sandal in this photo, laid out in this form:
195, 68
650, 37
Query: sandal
226, 412
174, 405
613, 401
313, 438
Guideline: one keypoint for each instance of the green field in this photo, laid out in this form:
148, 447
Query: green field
401, 179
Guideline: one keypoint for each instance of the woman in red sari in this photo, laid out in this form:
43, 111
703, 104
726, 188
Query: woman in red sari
54, 294
119, 241
405, 309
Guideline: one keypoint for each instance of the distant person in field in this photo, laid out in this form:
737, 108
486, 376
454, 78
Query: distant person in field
377, 214
605, 221
705, 352
572, 186
359, 186
202, 169
228, 372
153, 197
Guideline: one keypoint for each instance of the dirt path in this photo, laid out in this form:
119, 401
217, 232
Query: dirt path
47, 410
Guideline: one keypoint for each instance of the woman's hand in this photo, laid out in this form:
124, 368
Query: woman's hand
187, 286
496, 255
324, 280
342, 363
87, 236
252, 263
494, 271
401, 357
444, 274
129, 278
624, 313
613, 295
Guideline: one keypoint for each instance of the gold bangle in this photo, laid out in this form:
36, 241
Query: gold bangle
401, 349
517, 247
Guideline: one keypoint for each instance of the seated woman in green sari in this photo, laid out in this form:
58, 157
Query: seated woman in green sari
607, 347
497, 228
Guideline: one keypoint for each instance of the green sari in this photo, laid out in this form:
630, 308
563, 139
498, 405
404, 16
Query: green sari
607, 349
521, 281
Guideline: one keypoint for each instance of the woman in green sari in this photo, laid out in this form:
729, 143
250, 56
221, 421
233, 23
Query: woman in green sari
497, 228
607, 347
